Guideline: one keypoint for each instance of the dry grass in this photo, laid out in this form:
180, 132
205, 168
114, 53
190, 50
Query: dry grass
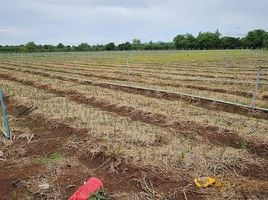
162, 148
122, 137
175, 110
159, 75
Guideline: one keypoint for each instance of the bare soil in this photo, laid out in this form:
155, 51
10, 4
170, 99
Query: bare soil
18, 174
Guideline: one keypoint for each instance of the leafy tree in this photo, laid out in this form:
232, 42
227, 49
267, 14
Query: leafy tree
69, 48
124, 46
136, 44
163, 45
149, 46
208, 40
265, 41
31, 47
83, 47
186, 41
98, 47
110, 46
178, 41
255, 39
48, 48
244, 43
230, 42
60, 47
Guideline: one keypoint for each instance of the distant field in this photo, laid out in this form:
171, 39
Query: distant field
223, 75
97, 112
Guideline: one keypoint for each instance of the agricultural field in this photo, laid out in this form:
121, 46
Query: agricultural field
147, 123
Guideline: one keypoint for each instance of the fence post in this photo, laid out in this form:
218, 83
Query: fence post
128, 72
225, 60
75, 75
43, 64
4, 115
256, 86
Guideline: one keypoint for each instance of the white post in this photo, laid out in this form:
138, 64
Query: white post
75, 65
43, 64
256, 55
20, 61
256, 86
225, 60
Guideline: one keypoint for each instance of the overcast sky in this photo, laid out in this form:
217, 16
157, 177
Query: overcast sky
102, 21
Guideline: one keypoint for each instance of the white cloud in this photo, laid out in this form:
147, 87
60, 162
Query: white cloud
6, 30
101, 21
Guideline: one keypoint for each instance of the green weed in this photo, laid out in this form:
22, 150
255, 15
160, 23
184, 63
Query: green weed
54, 157
99, 195
243, 144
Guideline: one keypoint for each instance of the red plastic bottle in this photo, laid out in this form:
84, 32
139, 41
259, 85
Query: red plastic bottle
88, 189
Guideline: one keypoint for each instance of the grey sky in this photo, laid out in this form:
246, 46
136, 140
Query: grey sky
102, 21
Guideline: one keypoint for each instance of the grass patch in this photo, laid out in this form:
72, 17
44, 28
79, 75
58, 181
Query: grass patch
52, 158
99, 195
243, 144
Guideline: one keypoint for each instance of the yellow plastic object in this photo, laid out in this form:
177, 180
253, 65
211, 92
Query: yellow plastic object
206, 182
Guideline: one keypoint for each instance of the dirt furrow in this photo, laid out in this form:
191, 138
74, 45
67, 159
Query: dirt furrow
161, 81
189, 129
159, 94
125, 176
146, 72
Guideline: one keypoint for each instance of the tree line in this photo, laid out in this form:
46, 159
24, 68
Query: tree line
255, 39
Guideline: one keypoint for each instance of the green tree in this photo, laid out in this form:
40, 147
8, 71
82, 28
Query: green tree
110, 46
136, 44
83, 47
208, 40
69, 48
60, 47
230, 42
265, 41
31, 47
255, 39
124, 46
186, 41
98, 47
48, 48
178, 40
244, 43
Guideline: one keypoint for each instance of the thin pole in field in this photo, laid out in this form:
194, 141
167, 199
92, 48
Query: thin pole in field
256, 54
4, 115
74, 65
128, 72
87, 60
20, 60
43, 65
64, 59
225, 60
256, 86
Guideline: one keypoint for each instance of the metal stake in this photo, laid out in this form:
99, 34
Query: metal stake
75, 66
256, 86
4, 114
128, 72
